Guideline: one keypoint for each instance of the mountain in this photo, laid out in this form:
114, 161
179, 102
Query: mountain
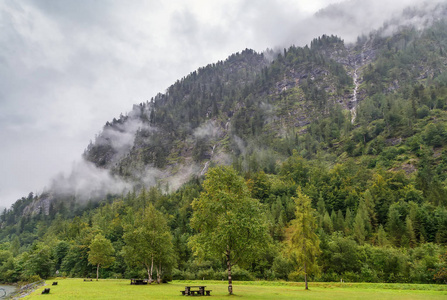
253, 109
216, 111
360, 128
259, 103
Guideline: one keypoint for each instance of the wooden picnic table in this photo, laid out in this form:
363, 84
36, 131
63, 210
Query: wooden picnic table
138, 281
199, 290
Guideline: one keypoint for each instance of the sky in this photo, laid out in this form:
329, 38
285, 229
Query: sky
67, 67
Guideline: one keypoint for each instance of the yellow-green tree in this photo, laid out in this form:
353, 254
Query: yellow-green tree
149, 242
101, 253
229, 223
303, 244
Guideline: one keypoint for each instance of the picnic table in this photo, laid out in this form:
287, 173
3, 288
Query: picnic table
138, 281
193, 290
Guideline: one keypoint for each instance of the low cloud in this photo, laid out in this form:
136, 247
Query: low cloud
207, 130
86, 181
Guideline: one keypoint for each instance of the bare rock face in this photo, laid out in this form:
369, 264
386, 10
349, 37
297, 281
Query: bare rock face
40, 205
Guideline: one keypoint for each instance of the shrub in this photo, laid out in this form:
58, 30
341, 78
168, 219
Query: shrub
422, 111
31, 279
240, 274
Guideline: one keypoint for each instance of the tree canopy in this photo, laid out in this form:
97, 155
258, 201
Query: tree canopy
228, 222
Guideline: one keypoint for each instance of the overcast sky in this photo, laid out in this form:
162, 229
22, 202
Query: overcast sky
67, 67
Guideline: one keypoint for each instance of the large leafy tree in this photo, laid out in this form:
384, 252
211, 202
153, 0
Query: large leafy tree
228, 222
149, 242
303, 242
37, 261
101, 253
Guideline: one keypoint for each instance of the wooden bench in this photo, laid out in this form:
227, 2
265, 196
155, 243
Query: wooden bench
193, 293
88, 279
46, 291
54, 283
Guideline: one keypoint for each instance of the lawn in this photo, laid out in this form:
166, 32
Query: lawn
121, 289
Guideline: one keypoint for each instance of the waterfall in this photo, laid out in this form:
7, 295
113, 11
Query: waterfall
208, 162
354, 95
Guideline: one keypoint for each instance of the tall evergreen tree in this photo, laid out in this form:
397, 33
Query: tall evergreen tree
303, 242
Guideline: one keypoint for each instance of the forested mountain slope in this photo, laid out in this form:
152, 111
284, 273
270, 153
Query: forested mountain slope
359, 128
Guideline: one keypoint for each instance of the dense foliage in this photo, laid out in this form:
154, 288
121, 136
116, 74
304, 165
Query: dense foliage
373, 225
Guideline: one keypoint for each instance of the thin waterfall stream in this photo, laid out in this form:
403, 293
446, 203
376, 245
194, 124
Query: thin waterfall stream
208, 162
354, 95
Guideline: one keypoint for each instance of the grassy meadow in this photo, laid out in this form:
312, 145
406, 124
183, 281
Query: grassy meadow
121, 289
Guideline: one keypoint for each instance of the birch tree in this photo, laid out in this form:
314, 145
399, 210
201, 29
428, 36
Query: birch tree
228, 223
101, 253
149, 242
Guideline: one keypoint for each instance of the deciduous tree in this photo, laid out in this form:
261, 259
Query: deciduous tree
149, 242
101, 253
229, 223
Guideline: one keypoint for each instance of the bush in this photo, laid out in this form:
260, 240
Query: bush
422, 111
240, 274
31, 279
350, 276
368, 274
282, 267
133, 273
182, 275
328, 277
207, 274
296, 276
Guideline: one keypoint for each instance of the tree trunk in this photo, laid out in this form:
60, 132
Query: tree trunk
152, 269
149, 272
305, 266
159, 273
97, 272
305, 276
230, 281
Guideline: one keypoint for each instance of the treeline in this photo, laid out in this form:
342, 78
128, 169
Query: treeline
373, 225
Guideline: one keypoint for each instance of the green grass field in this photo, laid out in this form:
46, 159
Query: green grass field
121, 289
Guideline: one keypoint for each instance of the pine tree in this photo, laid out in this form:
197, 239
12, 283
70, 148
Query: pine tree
303, 243
359, 229
409, 232
340, 223
348, 221
382, 237
362, 222
370, 207
394, 225
327, 223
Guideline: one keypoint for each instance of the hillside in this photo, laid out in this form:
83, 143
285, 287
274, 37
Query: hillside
358, 128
